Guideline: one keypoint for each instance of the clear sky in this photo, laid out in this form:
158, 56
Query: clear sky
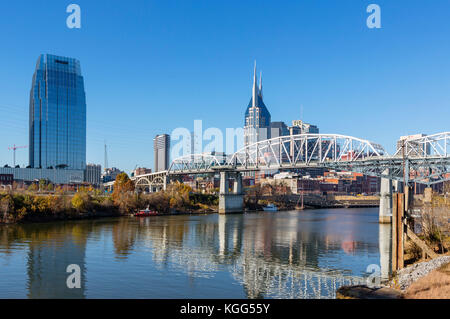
153, 66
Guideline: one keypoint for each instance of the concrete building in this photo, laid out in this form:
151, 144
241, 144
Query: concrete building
161, 148
278, 129
141, 171
301, 127
93, 174
110, 174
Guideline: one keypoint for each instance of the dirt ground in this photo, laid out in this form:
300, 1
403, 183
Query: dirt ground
435, 285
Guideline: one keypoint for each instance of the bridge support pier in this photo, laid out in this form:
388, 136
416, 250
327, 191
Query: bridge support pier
385, 215
231, 202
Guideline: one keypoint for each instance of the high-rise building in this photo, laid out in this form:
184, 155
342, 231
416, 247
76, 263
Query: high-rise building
300, 127
278, 129
57, 126
161, 147
257, 117
93, 174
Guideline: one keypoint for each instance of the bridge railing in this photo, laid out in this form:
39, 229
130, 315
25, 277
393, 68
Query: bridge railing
305, 149
429, 158
436, 145
198, 162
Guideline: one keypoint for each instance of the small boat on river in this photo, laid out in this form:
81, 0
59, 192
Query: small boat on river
270, 208
146, 212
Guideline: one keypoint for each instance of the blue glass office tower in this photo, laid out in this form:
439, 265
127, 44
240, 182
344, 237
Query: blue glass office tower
57, 114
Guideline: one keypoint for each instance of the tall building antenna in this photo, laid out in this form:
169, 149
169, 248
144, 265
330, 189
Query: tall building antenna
301, 112
255, 88
106, 156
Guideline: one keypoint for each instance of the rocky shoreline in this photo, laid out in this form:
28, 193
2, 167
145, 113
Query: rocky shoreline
406, 276
396, 287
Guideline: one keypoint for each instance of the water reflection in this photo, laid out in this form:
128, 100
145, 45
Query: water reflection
284, 255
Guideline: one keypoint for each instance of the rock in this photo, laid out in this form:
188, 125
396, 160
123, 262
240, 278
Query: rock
406, 276
364, 292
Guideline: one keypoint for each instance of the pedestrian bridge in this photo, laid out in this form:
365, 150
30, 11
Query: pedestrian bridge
426, 158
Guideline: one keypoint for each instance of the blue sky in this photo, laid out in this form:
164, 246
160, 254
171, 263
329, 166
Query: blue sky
153, 66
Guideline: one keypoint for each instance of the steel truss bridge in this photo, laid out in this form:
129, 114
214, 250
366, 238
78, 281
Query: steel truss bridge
426, 159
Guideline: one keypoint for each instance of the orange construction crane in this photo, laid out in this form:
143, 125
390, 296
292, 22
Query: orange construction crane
14, 148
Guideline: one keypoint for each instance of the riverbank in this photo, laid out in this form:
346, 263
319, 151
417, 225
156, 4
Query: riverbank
423, 280
407, 276
435, 285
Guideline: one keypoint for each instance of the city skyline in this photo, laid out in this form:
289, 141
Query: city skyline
359, 88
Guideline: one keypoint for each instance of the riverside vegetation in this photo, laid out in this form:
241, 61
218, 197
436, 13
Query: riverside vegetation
31, 205
43, 201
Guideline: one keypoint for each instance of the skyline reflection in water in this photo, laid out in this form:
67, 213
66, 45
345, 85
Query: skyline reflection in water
304, 254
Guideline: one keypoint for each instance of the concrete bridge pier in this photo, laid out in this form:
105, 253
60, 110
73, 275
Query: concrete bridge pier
231, 202
385, 215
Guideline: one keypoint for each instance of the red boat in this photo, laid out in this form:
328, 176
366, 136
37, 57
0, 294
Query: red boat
145, 213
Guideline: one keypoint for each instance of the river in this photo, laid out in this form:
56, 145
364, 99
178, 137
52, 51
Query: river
291, 254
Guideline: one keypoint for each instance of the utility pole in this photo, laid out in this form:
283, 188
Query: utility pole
14, 148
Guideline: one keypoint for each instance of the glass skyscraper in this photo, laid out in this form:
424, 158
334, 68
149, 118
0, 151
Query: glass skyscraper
57, 114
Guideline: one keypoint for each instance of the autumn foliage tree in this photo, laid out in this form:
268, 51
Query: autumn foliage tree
123, 194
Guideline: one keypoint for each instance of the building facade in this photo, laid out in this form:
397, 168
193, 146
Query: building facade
57, 124
257, 117
141, 171
110, 174
161, 148
55, 176
93, 174
6, 179
278, 129
300, 127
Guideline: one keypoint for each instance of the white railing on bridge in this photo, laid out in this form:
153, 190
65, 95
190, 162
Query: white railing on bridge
437, 145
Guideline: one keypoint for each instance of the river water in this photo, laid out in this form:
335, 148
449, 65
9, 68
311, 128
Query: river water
290, 254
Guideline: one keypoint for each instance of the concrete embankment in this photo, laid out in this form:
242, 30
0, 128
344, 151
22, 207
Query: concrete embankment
329, 201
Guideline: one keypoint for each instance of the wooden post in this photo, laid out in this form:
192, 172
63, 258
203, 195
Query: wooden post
400, 230
394, 231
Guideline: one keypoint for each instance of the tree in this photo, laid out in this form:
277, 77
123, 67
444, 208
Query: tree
7, 207
81, 201
123, 194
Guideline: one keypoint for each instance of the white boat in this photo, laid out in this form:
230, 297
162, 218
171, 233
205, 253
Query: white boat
270, 208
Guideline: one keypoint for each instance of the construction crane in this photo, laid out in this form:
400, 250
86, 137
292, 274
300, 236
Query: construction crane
14, 148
